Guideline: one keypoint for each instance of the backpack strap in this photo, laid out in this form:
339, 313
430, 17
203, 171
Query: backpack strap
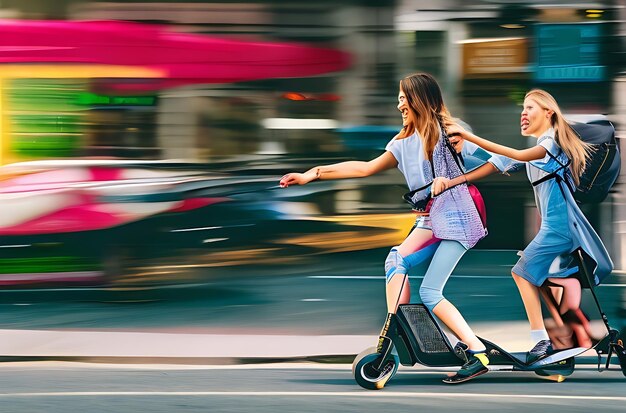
457, 158
409, 195
555, 175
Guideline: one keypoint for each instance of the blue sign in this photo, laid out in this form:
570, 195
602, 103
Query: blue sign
569, 53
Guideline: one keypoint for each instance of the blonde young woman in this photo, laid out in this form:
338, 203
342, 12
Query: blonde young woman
563, 226
417, 151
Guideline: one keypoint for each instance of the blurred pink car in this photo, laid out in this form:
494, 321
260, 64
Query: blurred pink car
77, 221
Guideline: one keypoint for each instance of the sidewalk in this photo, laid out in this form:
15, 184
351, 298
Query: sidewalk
206, 348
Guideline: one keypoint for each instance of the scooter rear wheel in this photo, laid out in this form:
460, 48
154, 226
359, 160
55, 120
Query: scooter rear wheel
561, 368
368, 377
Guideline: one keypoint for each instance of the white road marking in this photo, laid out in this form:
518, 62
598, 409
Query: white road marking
357, 393
382, 277
195, 229
348, 277
68, 365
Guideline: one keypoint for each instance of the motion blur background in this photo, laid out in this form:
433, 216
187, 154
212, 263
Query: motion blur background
140, 155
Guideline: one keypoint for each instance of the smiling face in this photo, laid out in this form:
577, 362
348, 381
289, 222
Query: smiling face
534, 120
403, 107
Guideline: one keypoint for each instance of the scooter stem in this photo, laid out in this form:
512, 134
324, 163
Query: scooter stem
384, 343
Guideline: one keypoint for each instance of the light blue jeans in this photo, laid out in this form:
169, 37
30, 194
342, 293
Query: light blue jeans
444, 256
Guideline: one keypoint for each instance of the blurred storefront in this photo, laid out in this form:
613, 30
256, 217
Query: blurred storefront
147, 91
50, 111
121, 126
361, 93
485, 53
497, 50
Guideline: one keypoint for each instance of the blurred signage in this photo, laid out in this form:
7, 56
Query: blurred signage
103, 100
43, 119
569, 53
495, 56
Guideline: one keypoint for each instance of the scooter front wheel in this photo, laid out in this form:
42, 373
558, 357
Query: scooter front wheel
367, 376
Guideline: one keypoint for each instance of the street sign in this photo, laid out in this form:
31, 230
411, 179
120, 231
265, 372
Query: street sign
569, 53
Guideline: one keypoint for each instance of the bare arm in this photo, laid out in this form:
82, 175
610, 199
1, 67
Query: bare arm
349, 169
479, 173
523, 155
440, 184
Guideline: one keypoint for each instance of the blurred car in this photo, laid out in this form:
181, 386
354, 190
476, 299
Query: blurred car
84, 221
97, 222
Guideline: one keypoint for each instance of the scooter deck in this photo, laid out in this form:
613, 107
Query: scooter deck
500, 357
419, 339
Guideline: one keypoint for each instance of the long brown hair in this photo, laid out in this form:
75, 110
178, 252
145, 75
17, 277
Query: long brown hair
575, 149
427, 111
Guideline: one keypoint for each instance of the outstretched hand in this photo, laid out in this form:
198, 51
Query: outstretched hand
295, 178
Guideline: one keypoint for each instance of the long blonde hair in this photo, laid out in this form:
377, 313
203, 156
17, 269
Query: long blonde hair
575, 149
427, 112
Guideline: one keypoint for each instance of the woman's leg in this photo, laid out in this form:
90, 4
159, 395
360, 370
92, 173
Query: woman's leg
572, 293
539, 259
540, 340
417, 247
569, 313
443, 263
532, 303
552, 297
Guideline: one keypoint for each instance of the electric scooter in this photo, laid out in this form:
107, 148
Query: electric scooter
413, 336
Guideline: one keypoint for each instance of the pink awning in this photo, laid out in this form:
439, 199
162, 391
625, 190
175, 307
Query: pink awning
183, 58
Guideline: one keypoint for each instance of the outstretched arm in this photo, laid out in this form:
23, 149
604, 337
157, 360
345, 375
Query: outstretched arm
523, 155
349, 169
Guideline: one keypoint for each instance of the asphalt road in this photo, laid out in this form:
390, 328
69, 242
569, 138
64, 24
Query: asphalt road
344, 294
59, 387
339, 297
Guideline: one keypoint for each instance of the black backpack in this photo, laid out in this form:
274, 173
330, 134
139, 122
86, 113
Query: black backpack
604, 163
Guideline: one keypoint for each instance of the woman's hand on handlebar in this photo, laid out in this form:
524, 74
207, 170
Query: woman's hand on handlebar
439, 185
295, 178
